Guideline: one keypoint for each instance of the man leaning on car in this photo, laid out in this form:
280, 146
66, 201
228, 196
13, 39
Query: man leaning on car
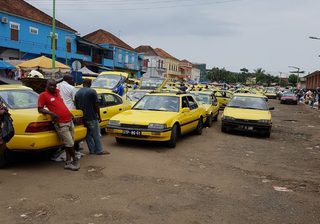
62, 119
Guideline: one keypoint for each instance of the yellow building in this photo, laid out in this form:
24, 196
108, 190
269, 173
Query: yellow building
172, 64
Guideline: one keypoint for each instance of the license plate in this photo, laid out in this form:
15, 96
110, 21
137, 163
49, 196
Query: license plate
131, 132
245, 127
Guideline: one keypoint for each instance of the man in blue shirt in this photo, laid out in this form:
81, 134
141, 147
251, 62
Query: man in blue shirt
86, 99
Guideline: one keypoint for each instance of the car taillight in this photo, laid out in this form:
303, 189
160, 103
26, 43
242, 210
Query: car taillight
39, 127
78, 121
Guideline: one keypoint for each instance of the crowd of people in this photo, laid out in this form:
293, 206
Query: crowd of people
309, 97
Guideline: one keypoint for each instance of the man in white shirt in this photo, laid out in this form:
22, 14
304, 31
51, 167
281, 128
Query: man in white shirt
67, 91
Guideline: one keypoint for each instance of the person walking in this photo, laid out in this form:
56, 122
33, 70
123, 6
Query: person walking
3, 110
86, 99
62, 120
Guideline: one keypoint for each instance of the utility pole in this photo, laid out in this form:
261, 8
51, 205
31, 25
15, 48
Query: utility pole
53, 38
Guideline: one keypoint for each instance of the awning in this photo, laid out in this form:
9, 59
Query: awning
6, 65
86, 71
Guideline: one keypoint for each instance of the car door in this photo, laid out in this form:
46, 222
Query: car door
194, 114
185, 116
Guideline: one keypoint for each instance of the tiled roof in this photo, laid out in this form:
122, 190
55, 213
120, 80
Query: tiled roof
104, 37
147, 50
23, 9
164, 54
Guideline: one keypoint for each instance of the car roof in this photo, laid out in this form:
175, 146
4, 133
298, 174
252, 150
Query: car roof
249, 95
177, 94
202, 92
14, 87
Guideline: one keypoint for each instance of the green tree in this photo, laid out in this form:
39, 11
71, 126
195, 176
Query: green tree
293, 79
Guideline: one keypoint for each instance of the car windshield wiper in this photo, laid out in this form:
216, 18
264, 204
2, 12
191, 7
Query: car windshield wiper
235, 106
138, 109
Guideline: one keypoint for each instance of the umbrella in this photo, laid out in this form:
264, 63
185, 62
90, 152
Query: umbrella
42, 63
6, 65
86, 71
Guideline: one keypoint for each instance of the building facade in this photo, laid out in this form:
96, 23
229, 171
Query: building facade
313, 80
195, 74
172, 64
154, 64
125, 58
185, 69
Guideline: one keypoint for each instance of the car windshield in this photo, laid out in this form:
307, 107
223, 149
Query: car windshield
202, 98
135, 95
270, 90
106, 81
151, 83
19, 99
248, 103
158, 103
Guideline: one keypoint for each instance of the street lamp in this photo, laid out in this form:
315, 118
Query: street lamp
298, 72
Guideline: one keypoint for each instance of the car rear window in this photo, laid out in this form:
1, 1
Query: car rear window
19, 99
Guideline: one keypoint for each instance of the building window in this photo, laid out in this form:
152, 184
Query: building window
120, 56
33, 30
132, 59
126, 59
68, 45
14, 28
56, 41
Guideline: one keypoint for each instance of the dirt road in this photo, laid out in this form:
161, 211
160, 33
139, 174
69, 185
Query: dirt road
214, 178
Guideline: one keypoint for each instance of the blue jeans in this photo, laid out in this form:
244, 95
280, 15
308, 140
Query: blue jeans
93, 137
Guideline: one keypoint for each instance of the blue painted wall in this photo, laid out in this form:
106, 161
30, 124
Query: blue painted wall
36, 44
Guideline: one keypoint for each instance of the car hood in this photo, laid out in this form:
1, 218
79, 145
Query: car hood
143, 117
247, 114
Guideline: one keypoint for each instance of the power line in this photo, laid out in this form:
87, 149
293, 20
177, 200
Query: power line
148, 7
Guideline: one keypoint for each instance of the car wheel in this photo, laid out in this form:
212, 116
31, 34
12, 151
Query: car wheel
173, 138
281, 102
103, 131
199, 126
223, 128
209, 121
3, 156
120, 140
296, 103
266, 133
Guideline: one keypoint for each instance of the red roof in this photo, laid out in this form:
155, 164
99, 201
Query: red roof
104, 37
164, 54
147, 50
23, 9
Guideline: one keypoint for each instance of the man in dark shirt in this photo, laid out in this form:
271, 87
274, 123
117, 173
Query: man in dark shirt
62, 119
86, 99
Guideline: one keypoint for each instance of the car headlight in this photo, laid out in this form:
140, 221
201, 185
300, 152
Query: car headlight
157, 126
114, 123
265, 121
228, 118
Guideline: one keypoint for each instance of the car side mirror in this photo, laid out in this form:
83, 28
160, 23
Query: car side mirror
271, 108
185, 110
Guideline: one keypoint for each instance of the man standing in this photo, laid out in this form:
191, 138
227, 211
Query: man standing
67, 91
86, 99
62, 119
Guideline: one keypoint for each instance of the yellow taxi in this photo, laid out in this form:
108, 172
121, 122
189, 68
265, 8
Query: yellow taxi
270, 92
111, 80
33, 131
210, 103
159, 117
224, 97
110, 105
247, 112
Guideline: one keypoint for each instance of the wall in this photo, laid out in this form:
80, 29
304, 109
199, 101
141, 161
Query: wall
36, 43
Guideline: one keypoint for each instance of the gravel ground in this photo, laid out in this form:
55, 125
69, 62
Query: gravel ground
214, 178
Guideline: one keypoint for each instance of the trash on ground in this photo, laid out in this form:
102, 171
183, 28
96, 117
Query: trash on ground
282, 189
98, 215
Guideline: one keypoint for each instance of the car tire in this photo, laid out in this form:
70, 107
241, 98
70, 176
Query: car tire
209, 121
281, 102
173, 138
3, 156
103, 131
199, 126
223, 128
266, 133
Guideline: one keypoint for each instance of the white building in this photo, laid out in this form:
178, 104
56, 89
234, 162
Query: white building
195, 74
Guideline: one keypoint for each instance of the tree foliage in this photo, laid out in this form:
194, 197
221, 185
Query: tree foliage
293, 79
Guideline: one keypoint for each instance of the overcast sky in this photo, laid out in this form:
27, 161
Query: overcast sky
268, 34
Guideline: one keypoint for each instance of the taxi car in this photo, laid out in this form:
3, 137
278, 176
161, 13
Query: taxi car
224, 97
270, 92
247, 112
209, 103
33, 131
159, 117
110, 80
